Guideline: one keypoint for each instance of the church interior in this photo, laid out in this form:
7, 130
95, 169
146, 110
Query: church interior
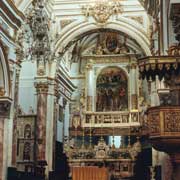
89, 89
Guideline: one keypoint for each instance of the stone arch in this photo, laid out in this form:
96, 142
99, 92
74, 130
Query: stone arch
4, 71
119, 67
77, 28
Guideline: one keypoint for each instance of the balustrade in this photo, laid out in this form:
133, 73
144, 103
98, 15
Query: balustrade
111, 119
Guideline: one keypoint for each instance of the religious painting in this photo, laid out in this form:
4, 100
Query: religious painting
111, 43
112, 90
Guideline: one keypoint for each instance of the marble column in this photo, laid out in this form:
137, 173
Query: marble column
133, 88
66, 120
90, 88
14, 138
4, 114
42, 91
51, 117
46, 119
1, 146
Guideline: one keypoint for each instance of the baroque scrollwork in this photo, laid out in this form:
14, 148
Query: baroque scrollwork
102, 10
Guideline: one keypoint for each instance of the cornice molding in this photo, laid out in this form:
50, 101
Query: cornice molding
13, 6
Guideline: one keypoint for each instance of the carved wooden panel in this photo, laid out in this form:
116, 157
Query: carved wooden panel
154, 122
172, 121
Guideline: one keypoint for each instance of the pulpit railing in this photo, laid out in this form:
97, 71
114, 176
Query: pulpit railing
164, 127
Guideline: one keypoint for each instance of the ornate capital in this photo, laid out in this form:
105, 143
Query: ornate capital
89, 66
42, 88
5, 105
133, 66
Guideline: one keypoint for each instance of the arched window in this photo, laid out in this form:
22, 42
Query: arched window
27, 131
112, 90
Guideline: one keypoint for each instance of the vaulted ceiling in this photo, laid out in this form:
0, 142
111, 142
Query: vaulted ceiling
64, 6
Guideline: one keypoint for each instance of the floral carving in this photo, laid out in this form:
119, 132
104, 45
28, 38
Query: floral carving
101, 11
172, 121
154, 122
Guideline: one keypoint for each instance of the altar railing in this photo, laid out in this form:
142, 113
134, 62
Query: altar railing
111, 119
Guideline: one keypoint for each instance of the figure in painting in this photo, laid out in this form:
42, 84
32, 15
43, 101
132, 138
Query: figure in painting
112, 90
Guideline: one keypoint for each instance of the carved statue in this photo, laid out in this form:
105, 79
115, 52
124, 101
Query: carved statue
101, 149
2, 91
31, 110
99, 50
19, 110
174, 50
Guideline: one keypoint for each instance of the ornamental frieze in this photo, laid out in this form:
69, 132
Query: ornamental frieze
99, 59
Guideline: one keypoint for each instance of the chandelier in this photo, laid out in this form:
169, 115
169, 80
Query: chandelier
34, 37
38, 22
101, 10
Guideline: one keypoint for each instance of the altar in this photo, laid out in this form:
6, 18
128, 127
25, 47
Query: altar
90, 172
106, 107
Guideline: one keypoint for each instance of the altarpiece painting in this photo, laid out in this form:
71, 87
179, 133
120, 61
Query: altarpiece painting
112, 90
